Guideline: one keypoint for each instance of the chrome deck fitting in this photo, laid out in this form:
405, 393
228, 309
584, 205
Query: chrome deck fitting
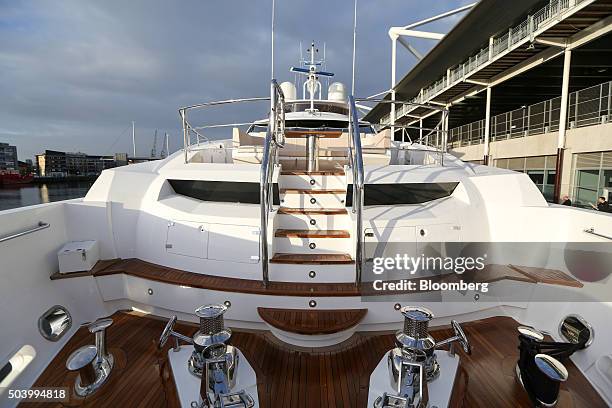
93, 363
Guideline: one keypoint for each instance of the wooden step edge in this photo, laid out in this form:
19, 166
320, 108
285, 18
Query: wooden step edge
312, 322
292, 233
308, 191
312, 173
312, 259
306, 211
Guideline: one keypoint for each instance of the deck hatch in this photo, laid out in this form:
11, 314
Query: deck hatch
401, 193
222, 191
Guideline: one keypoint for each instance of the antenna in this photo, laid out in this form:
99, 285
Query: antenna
273, 18
300, 63
312, 71
324, 66
354, 48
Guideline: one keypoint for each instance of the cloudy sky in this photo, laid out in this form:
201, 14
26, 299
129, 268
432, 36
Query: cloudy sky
75, 73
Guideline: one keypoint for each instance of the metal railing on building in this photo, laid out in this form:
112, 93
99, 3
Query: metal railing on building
586, 107
542, 19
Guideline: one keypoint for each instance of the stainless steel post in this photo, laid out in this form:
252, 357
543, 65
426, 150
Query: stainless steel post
487, 130
312, 153
185, 132
358, 181
265, 178
98, 328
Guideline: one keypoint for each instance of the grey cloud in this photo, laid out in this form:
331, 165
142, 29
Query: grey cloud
73, 74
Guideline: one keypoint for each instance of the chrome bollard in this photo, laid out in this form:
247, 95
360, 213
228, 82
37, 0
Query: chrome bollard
93, 362
83, 361
98, 328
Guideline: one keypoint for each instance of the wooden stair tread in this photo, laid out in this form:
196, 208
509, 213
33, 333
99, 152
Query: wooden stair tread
308, 191
319, 133
306, 211
312, 173
294, 233
314, 259
312, 322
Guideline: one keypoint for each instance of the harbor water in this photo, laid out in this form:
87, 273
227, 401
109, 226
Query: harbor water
31, 194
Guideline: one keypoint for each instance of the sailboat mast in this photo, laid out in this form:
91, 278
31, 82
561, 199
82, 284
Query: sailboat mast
133, 139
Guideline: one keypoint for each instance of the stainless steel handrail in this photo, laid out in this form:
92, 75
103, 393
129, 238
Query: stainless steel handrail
398, 126
41, 226
356, 163
402, 102
225, 102
443, 125
188, 129
274, 140
592, 232
223, 125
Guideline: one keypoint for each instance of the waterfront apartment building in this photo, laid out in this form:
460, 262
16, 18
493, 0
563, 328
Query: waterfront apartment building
8, 157
53, 163
62, 164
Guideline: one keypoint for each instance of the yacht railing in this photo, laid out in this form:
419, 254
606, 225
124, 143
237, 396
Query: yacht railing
275, 138
190, 130
440, 130
430, 137
41, 226
356, 163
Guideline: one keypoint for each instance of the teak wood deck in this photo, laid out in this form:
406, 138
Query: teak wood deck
159, 273
287, 377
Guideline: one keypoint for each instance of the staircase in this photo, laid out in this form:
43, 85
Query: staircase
312, 229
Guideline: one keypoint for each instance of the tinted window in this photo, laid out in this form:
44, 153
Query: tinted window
222, 191
401, 193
